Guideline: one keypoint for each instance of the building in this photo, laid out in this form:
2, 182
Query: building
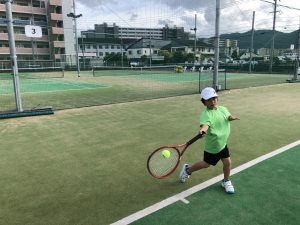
202, 51
113, 31
227, 46
146, 47
32, 52
95, 49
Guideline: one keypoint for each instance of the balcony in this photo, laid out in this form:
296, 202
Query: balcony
57, 56
22, 37
55, 2
2, 7
57, 30
28, 10
4, 50
59, 44
26, 51
56, 17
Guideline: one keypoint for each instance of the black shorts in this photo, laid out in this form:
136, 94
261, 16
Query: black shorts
213, 159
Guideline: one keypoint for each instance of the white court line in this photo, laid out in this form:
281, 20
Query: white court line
181, 196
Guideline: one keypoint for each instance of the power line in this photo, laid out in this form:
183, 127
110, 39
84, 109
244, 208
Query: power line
281, 5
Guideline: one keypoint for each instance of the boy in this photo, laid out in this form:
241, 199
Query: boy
214, 122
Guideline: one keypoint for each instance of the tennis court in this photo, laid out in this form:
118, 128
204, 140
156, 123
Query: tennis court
267, 192
88, 166
46, 85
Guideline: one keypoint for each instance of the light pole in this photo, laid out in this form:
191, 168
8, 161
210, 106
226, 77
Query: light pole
13, 55
74, 16
195, 29
217, 46
273, 38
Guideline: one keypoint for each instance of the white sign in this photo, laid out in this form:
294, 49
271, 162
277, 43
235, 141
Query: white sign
33, 31
292, 47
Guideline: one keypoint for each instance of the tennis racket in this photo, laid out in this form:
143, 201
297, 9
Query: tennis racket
161, 165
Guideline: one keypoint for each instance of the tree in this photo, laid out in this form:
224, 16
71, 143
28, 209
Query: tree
189, 57
144, 59
235, 55
167, 55
178, 57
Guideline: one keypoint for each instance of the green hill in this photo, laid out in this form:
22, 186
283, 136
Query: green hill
263, 39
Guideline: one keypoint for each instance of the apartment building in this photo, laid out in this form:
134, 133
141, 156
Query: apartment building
113, 31
33, 52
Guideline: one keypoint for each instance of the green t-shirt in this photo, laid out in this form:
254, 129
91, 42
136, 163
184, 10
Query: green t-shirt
219, 128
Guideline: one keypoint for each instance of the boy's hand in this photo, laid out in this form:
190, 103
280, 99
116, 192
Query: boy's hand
203, 129
231, 118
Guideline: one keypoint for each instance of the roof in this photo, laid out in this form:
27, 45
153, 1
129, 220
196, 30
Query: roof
187, 43
145, 43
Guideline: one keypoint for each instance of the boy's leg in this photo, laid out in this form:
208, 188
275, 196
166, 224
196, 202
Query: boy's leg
226, 183
198, 166
226, 167
187, 171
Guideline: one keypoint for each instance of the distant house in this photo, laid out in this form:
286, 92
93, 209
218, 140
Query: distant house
246, 55
203, 50
147, 47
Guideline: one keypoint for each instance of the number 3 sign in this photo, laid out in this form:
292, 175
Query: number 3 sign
33, 31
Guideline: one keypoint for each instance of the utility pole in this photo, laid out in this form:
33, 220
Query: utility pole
298, 56
217, 39
273, 38
150, 52
83, 50
122, 59
74, 16
195, 41
251, 48
13, 55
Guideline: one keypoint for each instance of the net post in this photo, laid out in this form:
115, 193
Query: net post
225, 84
199, 82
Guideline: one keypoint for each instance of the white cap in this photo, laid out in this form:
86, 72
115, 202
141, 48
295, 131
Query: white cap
208, 93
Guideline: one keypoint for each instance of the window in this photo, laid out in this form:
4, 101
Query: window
139, 52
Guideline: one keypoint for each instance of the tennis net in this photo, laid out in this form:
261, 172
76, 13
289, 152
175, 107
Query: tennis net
33, 73
127, 71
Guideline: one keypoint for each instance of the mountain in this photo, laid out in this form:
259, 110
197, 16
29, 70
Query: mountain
263, 39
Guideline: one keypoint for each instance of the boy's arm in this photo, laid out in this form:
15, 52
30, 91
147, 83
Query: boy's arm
231, 118
203, 128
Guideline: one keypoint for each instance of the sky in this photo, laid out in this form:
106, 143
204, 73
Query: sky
235, 15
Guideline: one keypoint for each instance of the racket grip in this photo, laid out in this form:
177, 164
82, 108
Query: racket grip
198, 136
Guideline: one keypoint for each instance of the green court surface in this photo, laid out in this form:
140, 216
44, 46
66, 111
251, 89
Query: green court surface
177, 77
46, 85
266, 193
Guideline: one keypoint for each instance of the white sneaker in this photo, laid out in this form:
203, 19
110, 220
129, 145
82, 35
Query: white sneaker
228, 186
183, 176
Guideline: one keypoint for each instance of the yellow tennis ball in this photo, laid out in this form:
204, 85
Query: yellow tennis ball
166, 153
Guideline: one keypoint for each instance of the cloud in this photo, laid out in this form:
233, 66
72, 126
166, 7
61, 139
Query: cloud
133, 17
95, 3
165, 22
236, 16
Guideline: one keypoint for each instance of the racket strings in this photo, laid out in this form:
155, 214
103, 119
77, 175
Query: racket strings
159, 165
